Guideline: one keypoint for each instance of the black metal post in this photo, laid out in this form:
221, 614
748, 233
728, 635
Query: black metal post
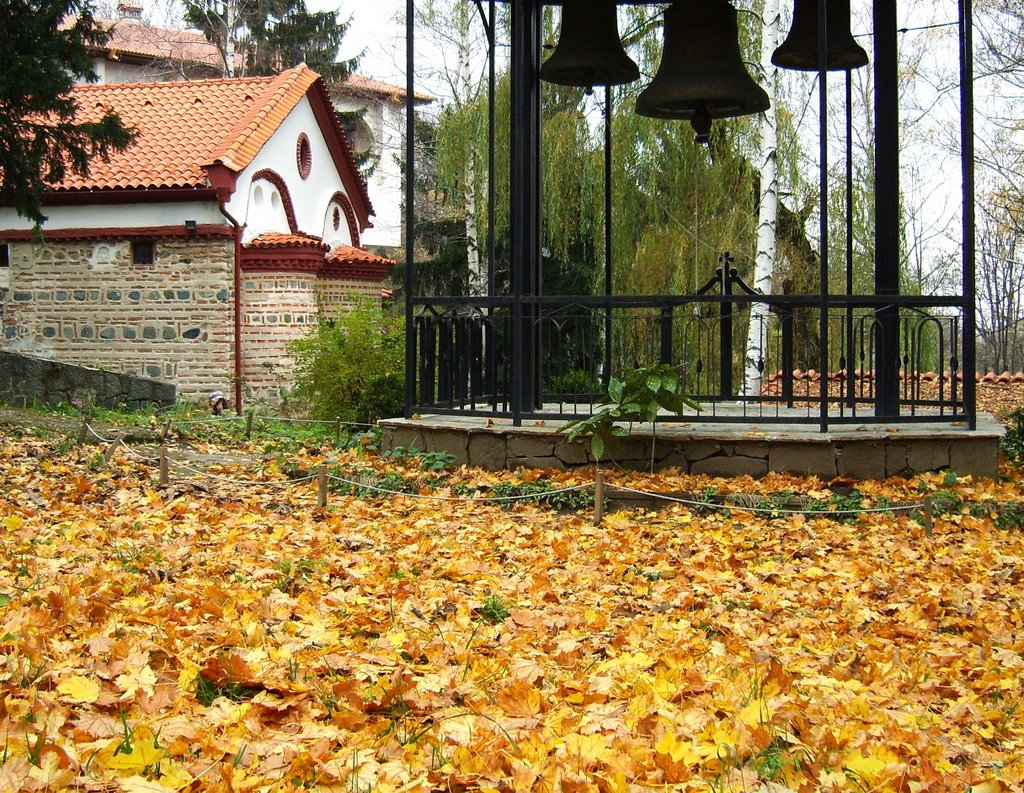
666, 334
524, 235
410, 231
725, 273
823, 215
887, 206
788, 355
607, 233
490, 338
967, 166
847, 383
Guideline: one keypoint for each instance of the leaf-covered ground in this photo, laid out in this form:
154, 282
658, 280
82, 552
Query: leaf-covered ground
216, 636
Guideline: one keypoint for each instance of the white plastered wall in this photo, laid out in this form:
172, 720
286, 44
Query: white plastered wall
97, 216
310, 196
385, 122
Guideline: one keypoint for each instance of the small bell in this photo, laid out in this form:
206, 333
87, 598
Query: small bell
800, 49
589, 51
702, 75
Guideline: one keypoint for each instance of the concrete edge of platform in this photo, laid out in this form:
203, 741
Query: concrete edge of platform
864, 452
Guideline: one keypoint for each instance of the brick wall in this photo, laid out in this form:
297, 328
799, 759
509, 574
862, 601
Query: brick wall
84, 302
340, 291
280, 308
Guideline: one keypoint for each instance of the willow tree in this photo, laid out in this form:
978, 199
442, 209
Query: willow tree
677, 205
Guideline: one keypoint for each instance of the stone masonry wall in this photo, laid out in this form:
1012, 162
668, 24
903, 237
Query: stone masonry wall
25, 380
84, 302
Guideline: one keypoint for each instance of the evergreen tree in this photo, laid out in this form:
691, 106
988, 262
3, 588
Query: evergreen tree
42, 134
264, 37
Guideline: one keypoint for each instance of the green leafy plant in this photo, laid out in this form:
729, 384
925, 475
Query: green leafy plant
640, 396
428, 461
1013, 441
207, 691
352, 365
492, 610
542, 491
576, 382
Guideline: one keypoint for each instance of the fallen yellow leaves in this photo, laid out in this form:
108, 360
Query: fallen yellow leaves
218, 637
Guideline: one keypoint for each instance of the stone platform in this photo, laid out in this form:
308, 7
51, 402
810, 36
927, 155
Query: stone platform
858, 451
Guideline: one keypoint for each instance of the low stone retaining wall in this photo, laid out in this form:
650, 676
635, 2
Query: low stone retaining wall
862, 452
26, 380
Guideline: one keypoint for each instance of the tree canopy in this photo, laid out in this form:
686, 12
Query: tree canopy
262, 37
42, 136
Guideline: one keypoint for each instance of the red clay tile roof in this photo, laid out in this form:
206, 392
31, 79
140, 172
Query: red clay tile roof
181, 127
346, 254
278, 240
186, 126
132, 38
360, 85
263, 117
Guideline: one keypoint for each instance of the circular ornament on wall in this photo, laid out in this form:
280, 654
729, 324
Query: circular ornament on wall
303, 155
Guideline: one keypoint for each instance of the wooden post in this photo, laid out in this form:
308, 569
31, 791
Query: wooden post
109, 452
167, 429
928, 523
321, 487
83, 431
337, 430
164, 466
598, 497
248, 425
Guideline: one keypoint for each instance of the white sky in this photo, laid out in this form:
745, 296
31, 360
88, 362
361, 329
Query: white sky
378, 29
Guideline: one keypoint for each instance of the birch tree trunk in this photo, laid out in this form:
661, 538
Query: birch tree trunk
764, 261
229, 38
477, 274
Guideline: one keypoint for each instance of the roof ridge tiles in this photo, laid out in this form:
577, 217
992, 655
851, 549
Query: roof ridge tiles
247, 136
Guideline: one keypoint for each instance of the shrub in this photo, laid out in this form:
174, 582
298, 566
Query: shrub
352, 365
1013, 442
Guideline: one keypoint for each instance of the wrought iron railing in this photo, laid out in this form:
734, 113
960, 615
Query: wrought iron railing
464, 364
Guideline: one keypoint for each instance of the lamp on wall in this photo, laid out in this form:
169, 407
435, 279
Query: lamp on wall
702, 75
800, 49
589, 51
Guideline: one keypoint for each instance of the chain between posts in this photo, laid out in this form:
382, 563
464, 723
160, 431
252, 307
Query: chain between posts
600, 486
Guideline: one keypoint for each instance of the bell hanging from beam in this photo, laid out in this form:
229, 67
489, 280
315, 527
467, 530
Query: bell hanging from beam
589, 51
800, 49
702, 75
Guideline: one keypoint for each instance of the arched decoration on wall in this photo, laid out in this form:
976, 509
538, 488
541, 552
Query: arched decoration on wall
268, 175
341, 200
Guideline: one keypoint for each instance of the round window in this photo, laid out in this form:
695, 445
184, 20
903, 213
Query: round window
303, 155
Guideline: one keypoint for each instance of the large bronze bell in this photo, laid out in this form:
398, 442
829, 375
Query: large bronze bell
589, 51
800, 49
701, 76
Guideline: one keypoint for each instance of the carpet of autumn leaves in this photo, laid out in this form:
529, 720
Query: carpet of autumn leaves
207, 635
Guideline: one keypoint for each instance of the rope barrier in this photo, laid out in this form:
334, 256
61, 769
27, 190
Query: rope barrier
136, 454
598, 486
213, 420
97, 436
484, 500
770, 510
244, 482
